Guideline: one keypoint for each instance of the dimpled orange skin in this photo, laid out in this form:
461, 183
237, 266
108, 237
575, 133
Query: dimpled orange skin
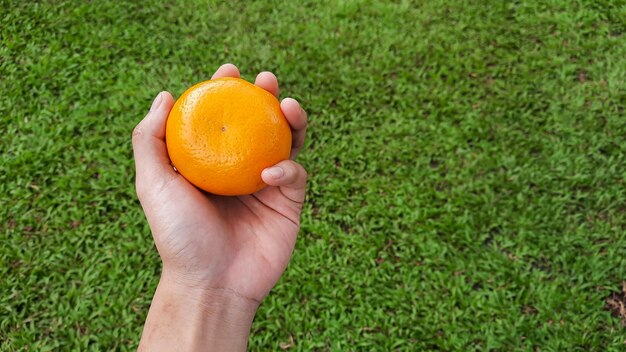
222, 133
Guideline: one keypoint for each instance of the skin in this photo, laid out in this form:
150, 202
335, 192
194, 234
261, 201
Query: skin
221, 255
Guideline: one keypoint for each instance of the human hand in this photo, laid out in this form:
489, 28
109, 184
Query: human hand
219, 251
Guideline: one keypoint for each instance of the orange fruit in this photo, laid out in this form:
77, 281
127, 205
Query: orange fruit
222, 133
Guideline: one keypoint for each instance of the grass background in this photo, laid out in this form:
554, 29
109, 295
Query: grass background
466, 161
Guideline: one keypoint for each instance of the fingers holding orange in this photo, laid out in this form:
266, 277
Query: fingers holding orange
221, 134
297, 118
294, 114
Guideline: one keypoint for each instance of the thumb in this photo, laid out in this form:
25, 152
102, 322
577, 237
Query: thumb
151, 160
289, 176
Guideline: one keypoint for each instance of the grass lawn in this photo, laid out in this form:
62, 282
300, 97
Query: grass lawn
467, 165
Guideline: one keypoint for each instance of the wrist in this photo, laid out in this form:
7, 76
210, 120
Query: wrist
209, 295
195, 318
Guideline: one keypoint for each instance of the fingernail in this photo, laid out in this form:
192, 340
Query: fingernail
275, 172
157, 101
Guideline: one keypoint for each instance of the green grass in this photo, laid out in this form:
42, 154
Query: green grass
467, 165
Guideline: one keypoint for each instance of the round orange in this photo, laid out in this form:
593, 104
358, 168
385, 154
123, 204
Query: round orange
222, 133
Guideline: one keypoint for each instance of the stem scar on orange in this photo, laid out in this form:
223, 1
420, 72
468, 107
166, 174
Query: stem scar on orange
222, 133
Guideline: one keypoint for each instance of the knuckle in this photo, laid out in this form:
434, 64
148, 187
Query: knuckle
140, 190
137, 132
291, 171
301, 170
